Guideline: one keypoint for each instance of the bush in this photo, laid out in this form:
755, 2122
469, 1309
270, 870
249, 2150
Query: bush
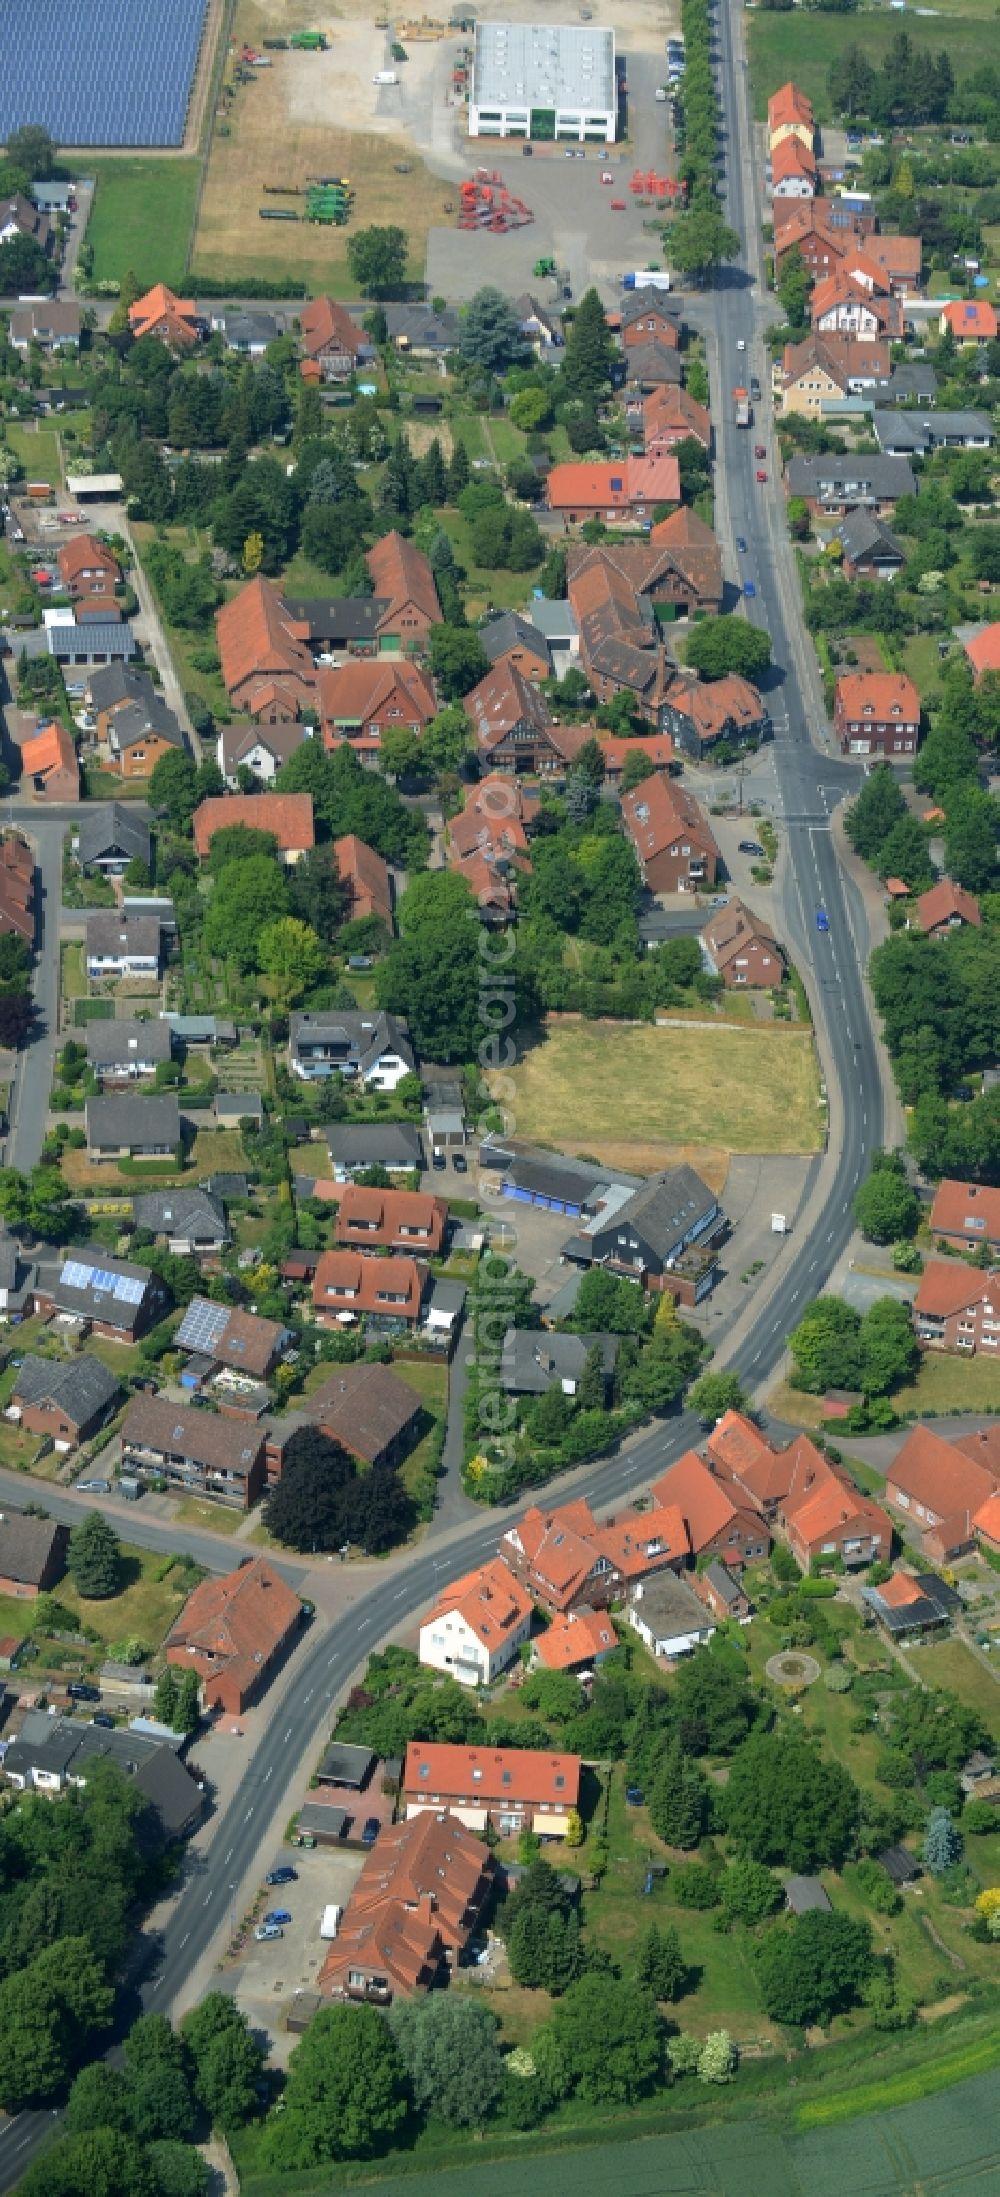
692, 1885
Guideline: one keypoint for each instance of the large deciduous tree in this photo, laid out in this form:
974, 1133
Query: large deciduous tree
814, 1966
449, 2049
785, 1804
345, 2094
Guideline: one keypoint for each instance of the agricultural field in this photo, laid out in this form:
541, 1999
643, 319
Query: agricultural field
141, 218
656, 1090
802, 45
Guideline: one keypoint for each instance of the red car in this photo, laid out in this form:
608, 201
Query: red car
761, 475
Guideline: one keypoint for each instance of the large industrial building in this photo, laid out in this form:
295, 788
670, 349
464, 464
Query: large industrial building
544, 81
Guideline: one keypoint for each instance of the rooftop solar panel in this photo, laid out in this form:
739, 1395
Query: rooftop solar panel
101, 72
76, 1276
128, 1289
203, 1324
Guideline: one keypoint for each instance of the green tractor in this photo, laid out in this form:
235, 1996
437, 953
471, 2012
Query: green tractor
544, 267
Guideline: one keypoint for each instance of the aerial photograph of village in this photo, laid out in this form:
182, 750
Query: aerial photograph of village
500, 1098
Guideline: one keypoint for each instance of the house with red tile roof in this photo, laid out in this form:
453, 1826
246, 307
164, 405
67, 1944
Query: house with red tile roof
716, 1524
945, 908
674, 843
582, 1639
939, 1486
743, 948
401, 576
495, 818
288, 817
330, 339
514, 727
17, 889
49, 765
973, 322
670, 416
901, 261
702, 713
909, 1605
477, 1625
840, 306
622, 488
423, 1894
234, 1632
861, 266
966, 1215
877, 713
512, 1788
88, 568
790, 114
957, 1307
391, 1220
267, 668
822, 229
823, 1514
657, 747
346, 1286
566, 1560
736, 1447
983, 650
793, 169
159, 313
821, 370
367, 879
363, 699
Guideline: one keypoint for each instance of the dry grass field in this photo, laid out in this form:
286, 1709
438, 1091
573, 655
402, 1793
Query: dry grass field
309, 114
644, 1098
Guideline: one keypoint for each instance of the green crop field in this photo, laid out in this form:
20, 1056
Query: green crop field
141, 218
803, 44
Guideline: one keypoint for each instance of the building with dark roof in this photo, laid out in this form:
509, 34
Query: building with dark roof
911, 1604
120, 943
190, 1222
370, 1049
139, 735
32, 1554
50, 1754
136, 1127
110, 1296
394, 1145
837, 483
196, 1452
226, 1335
118, 1052
110, 836
871, 550
646, 1237
66, 1399
532, 1360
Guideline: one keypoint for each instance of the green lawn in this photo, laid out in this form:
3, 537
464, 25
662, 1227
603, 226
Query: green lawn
487, 588
73, 975
922, 660
946, 1383
802, 45
144, 1610
957, 1669
142, 218
38, 450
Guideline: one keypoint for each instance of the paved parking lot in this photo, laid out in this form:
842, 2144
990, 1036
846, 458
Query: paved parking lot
270, 1973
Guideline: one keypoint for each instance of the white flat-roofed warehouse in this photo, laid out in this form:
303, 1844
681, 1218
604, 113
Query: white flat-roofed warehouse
544, 81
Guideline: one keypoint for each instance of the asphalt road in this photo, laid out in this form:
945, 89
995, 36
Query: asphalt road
809, 780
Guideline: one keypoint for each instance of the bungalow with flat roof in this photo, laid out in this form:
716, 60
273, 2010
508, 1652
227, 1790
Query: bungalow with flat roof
668, 1616
512, 1789
234, 1632
477, 1625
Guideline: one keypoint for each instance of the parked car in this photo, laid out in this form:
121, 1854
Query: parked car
108, 1722
460, 1163
93, 1487
267, 1930
750, 846
371, 1831
438, 1161
284, 1875
755, 388
78, 1691
278, 1915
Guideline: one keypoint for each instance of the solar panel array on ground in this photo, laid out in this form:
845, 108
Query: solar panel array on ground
100, 72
